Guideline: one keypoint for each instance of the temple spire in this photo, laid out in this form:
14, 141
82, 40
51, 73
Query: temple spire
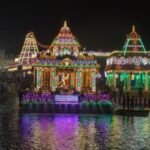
134, 42
133, 28
65, 24
65, 42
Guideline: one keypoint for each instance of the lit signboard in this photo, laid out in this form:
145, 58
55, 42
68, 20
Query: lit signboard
66, 99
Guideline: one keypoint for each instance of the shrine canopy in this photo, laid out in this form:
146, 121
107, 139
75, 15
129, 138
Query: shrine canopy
133, 57
65, 43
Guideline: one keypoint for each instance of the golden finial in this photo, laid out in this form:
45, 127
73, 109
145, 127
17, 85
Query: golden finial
133, 28
65, 24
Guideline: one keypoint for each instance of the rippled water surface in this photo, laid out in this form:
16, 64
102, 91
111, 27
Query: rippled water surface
73, 132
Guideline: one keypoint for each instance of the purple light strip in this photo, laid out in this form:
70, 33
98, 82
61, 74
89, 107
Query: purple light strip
47, 97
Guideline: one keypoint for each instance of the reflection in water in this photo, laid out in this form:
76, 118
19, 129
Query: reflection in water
73, 132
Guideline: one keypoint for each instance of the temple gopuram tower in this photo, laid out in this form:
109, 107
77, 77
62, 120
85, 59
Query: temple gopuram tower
27, 56
29, 49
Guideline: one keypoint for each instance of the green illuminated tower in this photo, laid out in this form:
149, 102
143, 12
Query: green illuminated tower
133, 42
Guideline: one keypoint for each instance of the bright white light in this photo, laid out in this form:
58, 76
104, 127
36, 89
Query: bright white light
16, 59
34, 55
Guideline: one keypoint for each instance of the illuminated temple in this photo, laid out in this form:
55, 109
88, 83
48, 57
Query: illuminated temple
62, 67
129, 69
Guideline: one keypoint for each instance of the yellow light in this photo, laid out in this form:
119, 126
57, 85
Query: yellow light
16, 59
132, 77
26, 67
13, 69
29, 72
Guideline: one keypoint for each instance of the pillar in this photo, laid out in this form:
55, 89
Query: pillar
78, 80
129, 83
53, 79
108, 79
72, 79
146, 82
34, 77
87, 78
114, 80
93, 80
39, 78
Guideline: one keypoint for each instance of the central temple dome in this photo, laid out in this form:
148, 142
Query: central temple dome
64, 43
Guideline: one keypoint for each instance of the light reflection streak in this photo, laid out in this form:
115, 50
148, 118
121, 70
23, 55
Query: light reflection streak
79, 132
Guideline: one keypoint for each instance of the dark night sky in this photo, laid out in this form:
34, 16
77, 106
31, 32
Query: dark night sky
96, 26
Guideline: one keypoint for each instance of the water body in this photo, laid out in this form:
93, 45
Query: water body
73, 132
